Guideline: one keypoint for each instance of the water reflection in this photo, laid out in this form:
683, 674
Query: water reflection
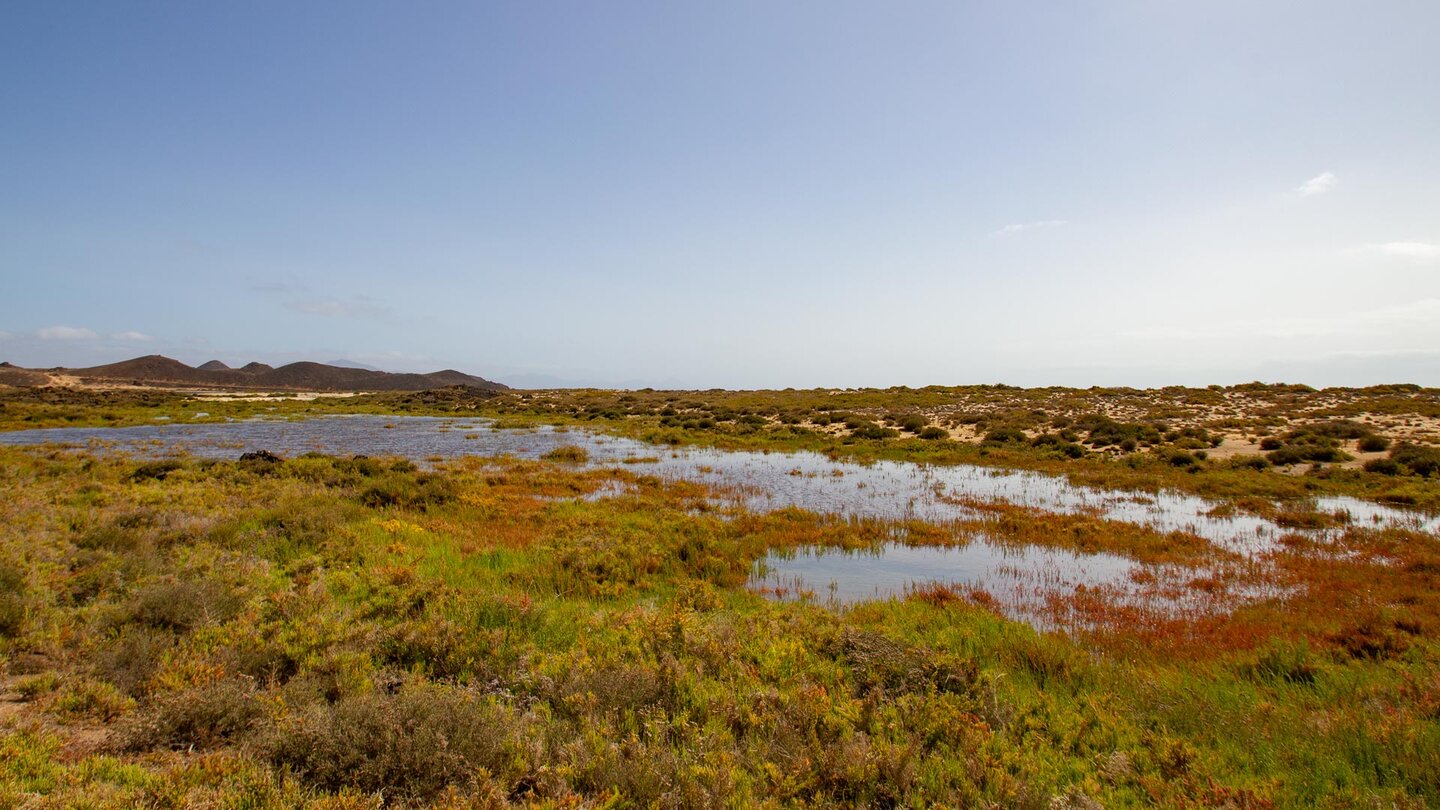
887, 490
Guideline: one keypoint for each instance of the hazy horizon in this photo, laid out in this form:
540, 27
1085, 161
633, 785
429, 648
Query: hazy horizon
742, 196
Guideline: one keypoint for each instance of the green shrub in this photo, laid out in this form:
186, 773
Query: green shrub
568, 454
1176, 457
1103, 431
1284, 456
932, 432
1338, 429
1306, 446
83, 697
1374, 444
1419, 460
1005, 435
913, 423
863, 429
1383, 466
408, 491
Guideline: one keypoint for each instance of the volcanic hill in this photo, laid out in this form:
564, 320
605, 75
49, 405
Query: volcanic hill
157, 369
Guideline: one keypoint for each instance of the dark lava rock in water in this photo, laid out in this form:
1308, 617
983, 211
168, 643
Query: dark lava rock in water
263, 456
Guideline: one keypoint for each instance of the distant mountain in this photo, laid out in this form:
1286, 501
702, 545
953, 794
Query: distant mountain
150, 368
304, 376
350, 364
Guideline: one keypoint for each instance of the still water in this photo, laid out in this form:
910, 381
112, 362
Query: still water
889, 490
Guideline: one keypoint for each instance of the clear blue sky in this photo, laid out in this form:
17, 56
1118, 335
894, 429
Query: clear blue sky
738, 194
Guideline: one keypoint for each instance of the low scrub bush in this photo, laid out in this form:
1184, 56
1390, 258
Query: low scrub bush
1177, 457
409, 746
568, 454
865, 429
91, 699
1103, 431
1374, 444
154, 470
913, 423
1307, 448
1417, 459
881, 664
1383, 466
1005, 435
130, 658
1057, 443
182, 605
201, 716
408, 491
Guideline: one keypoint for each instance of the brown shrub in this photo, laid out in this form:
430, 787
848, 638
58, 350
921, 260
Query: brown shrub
410, 746
200, 717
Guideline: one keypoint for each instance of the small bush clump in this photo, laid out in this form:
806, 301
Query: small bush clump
181, 605
409, 746
408, 491
1005, 435
154, 470
201, 716
1374, 444
1417, 459
568, 454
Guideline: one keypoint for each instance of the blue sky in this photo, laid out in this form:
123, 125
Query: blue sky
738, 194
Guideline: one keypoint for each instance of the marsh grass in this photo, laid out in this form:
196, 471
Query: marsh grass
1109, 437
280, 635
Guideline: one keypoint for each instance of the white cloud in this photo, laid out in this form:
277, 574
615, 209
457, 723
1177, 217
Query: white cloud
138, 337
1422, 252
65, 333
1021, 227
358, 307
1319, 184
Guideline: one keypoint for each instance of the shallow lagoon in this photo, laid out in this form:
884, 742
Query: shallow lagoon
886, 490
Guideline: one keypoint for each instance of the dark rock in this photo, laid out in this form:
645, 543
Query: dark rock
264, 456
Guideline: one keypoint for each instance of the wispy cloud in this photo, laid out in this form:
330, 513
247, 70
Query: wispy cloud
1319, 184
1021, 227
356, 307
65, 333
133, 337
1420, 252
